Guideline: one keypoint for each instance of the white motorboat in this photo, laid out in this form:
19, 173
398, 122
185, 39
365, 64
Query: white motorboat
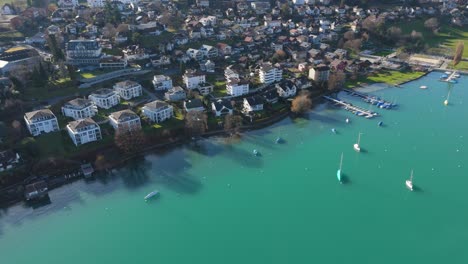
409, 182
152, 194
356, 146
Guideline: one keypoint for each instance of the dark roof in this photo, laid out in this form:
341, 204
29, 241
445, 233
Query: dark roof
157, 104
222, 103
40, 114
194, 103
18, 53
123, 115
7, 156
78, 103
254, 100
87, 44
321, 67
103, 92
82, 123
270, 95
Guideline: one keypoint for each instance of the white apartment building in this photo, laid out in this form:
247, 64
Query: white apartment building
158, 111
162, 82
128, 89
96, 3
83, 131
125, 120
193, 80
79, 108
320, 73
67, 4
209, 51
270, 74
41, 121
105, 98
237, 87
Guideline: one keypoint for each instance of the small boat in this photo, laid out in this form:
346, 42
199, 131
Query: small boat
380, 123
151, 195
255, 152
456, 75
356, 146
446, 102
333, 130
338, 173
423, 87
443, 76
409, 183
278, 140
448, 73
347, 120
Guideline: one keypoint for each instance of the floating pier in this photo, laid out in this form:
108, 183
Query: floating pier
374, 100
450, 78
351, 108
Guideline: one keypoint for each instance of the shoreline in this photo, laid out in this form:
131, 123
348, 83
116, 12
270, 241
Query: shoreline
173, 142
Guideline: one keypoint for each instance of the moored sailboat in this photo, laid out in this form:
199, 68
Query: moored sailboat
356, 146
409, 182
338, 173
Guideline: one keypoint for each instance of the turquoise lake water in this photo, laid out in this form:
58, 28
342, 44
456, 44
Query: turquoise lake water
220, 204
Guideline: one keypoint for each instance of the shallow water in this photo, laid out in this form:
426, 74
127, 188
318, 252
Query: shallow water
220, 204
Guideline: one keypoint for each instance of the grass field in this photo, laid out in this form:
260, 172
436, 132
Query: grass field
463, 65
388, 77
441, 42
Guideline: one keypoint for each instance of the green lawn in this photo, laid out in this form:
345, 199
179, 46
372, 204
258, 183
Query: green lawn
463, 65
388, 77
442, 42
62, 87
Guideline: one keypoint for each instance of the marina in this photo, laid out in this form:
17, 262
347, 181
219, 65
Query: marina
359, 111
450, 77
371, 99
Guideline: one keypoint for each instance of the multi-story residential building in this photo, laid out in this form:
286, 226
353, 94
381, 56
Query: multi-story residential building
83, 52
319, 73
83, 131
41, 121
79, 108
125, 120
67, 4
162, 82
205, 88
209, 51
158, 111
195, 54
96, 3
252, 104
193, 105
270, 74
286, 89
222, 107
237, 87
104, 98
128, 89
176, 93
192, 79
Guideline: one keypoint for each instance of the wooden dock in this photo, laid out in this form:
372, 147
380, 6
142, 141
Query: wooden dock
451, 78
371, 99
359, 111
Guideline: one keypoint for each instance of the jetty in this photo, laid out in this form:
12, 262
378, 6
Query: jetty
359, 111
450, 78
371, 99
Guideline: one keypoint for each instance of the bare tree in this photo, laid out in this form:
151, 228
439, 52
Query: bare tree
349, 35
109, 31
232, 124
336, 80
122, 28
196, 123
432, 24
354, 45
458, 53
416, 35
394, 32
129, 140
302, 103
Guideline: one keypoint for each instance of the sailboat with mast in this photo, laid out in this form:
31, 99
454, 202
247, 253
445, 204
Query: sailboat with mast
338, 173
356, 146
409, 182
446, 102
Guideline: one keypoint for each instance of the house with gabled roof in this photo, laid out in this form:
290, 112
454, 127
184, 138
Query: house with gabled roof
79, 108
105, 98
83, 131
222, 107
158, 111
125, 120
41, 121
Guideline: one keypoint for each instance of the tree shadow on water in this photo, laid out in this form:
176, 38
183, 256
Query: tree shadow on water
245, 158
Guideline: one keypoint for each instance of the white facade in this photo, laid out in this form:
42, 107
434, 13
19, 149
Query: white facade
236, 87
128, 89
193, 80
67, 3
286, 90
162, 82
83, 131
209, 51
96, 3
41, 121
125, 120
320, 73
105, 98
269, 74
298, 2
195, 54
252, 104
158, 111
79, 108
